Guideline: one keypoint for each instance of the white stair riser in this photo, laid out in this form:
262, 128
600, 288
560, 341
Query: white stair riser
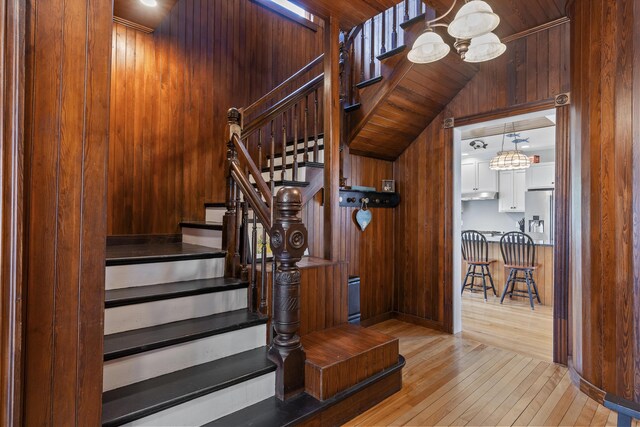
127, 276
136, 316
214, 405
150, 364
302, 175
214, 214
202, 237
278, 159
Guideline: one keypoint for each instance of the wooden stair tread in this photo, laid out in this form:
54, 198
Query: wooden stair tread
341, 357
140, 340
204, 225
158, 252
144, 398
305, 408
163, 291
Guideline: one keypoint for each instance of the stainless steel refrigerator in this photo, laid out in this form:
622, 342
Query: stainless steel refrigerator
539, 215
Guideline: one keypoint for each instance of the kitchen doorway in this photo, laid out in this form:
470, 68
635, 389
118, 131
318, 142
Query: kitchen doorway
513, 209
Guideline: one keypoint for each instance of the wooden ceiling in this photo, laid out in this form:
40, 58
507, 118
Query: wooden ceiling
350, 13
144, 18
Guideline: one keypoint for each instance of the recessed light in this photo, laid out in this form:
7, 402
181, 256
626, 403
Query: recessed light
149, 3
526, 146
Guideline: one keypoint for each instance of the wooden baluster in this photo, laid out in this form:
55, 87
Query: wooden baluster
383, 34
283, 171
254, 262
288, 243
260, 150
372, 48
273, 157
230, 217
295, 143
406, 11
352, 75
263, 271
305, 158
418, 7
244, 272
315, 127
394, 31
238, 231
362, 47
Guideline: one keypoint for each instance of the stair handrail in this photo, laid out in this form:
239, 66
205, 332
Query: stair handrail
248, 111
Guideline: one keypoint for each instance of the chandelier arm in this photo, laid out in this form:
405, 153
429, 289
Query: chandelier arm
443, 16
438, 25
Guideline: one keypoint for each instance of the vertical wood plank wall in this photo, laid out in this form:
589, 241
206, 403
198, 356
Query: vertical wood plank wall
534, 68
369, 253
66, 143
605, 155
169, 97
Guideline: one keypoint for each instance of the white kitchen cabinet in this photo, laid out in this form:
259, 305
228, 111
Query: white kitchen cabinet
476, 177
541, 176
512, 190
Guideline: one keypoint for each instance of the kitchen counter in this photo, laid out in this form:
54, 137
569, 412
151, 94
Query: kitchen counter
496, 239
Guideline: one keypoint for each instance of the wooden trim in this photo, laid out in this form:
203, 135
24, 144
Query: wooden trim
132, 25
12, 65
585, 386
377, 319
516, 110
139, 239
420, 321
286, 13
543, 27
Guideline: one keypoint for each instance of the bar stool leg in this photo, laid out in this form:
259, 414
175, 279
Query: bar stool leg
466, 277
484, 283
526, 278
535, 287
491, 281
506, 286
473, 278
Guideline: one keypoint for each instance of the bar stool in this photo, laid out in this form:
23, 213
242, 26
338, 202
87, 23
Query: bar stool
475, 251
519, 255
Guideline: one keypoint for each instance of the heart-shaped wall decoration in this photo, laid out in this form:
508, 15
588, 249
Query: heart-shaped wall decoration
363, 218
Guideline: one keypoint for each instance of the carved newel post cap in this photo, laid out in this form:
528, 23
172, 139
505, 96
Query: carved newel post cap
289, 196
233, 115
289, 235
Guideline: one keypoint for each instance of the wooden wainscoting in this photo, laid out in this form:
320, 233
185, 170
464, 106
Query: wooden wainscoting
323, 294
543, 275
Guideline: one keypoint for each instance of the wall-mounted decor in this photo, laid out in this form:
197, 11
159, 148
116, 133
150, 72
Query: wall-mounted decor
353, 199
388, 186
364, 215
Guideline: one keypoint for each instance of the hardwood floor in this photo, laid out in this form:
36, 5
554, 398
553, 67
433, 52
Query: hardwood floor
456, 380
511, 326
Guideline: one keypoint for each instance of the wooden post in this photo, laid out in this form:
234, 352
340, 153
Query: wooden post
332, 117
288, 243
229, 221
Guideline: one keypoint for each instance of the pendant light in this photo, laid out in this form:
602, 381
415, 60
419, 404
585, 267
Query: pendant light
471, 27
512, 159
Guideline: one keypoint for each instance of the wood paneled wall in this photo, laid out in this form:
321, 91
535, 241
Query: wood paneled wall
170, 94
605, 153
369, 253
534, 68
66, 146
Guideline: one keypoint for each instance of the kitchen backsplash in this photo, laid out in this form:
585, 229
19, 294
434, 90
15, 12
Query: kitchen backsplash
483, 215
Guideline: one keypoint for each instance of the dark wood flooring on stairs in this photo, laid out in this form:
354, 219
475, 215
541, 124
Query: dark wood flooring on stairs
158, 252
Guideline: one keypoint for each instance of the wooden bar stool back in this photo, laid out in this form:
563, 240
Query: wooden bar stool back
475, 251
519, 255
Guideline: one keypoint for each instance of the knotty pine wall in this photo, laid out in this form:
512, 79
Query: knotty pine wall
534, 68
170, 92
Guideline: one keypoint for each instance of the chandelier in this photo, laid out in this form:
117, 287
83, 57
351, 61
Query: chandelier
472, 28
512, 159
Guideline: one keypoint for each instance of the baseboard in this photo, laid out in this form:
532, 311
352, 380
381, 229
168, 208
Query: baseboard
376, 319
419, 321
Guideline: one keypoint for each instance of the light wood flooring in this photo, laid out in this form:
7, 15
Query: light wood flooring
457, 380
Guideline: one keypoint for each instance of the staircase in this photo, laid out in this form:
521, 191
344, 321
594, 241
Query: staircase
195, 334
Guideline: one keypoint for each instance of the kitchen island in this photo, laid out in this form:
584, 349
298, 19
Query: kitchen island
543, 275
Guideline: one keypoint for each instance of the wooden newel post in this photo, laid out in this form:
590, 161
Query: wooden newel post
229, 222
288, 243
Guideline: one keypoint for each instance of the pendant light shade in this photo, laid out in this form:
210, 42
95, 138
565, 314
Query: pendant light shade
474, 19
485, 47
510, 160
429, 47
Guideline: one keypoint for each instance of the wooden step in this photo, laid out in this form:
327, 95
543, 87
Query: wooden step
369, 82
341, 357
152, 397
160, 252
392, 52
306, 410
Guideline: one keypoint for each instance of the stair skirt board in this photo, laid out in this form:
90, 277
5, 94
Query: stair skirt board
212, 406
143, 366
278, 159
127, 276
137, 316
202, 237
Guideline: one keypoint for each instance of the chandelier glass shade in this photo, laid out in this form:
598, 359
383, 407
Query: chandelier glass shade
484, 48
510, 160
474, 19
429, 47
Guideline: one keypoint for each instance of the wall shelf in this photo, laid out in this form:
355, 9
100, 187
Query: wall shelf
377, 199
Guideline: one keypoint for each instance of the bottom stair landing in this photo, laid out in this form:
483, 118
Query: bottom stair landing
349, 369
